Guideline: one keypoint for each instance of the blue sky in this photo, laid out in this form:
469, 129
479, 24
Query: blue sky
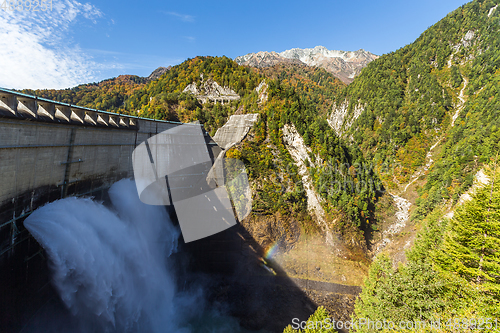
80, 42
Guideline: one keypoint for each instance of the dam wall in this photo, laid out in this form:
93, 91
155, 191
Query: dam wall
48, 151
41, 162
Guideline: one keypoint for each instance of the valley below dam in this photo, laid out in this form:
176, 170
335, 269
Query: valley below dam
114, 269
121, 266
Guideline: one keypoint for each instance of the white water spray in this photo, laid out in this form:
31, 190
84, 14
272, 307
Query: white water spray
110, 267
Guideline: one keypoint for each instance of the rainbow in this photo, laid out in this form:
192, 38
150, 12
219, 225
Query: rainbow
271, 250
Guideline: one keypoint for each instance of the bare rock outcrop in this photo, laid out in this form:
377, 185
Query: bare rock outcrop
297, 148
340, 120
481, 179
492, 9
345, 65
262, 91
264, 59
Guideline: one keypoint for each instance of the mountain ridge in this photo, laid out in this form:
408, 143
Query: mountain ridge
345, 65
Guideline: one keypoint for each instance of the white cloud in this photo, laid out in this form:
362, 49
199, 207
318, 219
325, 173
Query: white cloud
183, 17
34, 52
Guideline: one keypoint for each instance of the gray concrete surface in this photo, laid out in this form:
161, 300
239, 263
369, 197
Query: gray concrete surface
235, 130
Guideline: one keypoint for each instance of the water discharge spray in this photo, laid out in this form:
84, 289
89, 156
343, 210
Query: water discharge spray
110, 266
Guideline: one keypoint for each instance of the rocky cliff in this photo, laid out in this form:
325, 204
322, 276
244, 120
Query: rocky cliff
341, 120
264, 59
345, 65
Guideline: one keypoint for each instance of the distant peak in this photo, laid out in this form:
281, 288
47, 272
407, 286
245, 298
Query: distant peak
343, 64
158, 72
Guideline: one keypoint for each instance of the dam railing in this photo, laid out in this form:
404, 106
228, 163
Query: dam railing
50, 149
19, 105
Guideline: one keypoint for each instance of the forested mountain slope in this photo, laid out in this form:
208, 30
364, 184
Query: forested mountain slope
318, 87
453, 271
405, 101
427, 116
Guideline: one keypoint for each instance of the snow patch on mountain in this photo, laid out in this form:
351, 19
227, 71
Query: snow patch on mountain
264, 59
309, 55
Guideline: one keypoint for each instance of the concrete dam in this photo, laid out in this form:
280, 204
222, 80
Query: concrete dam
51, 150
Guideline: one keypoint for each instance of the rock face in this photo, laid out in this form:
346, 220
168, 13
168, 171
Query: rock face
209, 90
264, 59
295, 145
300, 153
492, 9
262, 91
235, 130
343, 64
158, 72
338, 119
402, 216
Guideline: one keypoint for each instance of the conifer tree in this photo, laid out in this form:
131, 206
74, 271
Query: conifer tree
471, 246
410, 292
